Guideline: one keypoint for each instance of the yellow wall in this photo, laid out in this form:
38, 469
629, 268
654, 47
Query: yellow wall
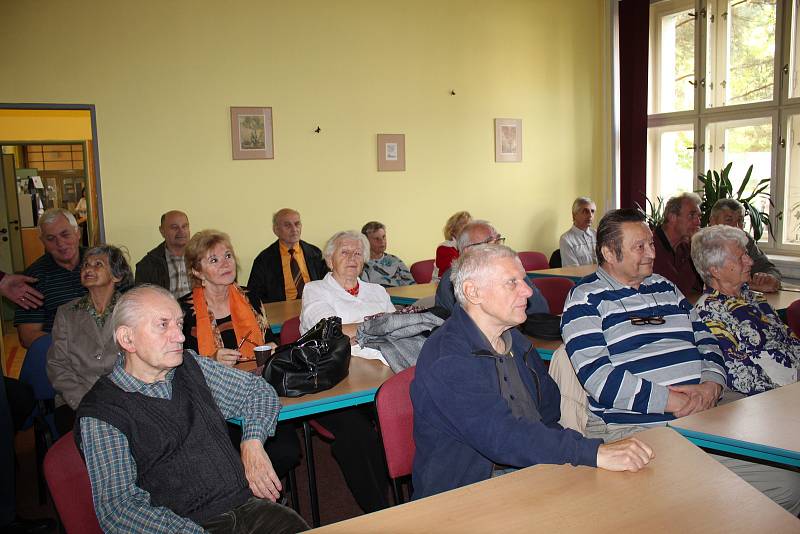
44, 125
163, 74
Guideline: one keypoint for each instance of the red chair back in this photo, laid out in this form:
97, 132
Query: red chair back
533, 261
793, 317
290, 331
68, 480
422, 271
555, 291
396, 417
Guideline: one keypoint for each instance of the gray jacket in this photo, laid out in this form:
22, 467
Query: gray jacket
398, 336
761, 263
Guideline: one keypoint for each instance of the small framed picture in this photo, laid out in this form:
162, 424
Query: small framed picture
391, 152
507, 140
251, 133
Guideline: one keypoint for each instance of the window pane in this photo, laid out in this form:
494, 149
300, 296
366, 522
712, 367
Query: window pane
794, 51
750, 75
743, 142
672, 68
670, 161
791, 210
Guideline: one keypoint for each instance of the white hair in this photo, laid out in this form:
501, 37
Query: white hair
130, 308
465, 237
50, 216
350, 235
475, 264
709, 247
580, 202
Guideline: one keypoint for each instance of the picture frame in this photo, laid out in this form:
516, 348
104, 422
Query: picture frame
391, 152
507, 140
251, 133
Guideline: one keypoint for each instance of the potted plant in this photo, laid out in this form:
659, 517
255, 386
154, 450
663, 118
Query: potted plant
717, 185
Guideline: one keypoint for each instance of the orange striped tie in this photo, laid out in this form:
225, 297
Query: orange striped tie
297, 275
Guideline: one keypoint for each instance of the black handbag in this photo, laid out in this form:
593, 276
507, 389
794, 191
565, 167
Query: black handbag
317, 361
542, 325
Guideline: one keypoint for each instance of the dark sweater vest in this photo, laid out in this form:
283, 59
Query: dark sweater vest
184, 457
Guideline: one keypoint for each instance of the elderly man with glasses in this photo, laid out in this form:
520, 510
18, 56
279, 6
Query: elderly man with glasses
481, 232
641, 351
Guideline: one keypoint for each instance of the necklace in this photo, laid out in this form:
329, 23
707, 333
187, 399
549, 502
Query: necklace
635, 319
354, 291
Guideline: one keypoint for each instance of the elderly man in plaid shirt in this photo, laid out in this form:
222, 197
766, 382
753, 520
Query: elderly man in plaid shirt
154, 437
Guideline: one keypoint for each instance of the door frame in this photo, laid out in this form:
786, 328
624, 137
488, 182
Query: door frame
101, 227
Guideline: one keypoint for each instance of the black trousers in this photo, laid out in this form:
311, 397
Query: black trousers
16, 404
257, 516
358, 451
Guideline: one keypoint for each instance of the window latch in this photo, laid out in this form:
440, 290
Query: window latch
782, 142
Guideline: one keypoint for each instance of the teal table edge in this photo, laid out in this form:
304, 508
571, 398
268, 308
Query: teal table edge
744, 448
305, 409
545, 354
575, 279
276, 328
403, 301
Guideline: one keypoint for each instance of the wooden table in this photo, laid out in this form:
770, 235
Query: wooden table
574, 273
405, 295
765, 426
681, 490
545, 347
279, 312
782, 299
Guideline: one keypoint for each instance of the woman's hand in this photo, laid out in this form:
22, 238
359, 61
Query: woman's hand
227, 357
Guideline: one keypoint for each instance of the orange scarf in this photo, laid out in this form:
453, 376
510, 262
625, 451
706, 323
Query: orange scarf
243, 317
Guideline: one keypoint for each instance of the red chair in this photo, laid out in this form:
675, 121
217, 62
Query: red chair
533, 261
396, 418
68, 480
555, 291
793, 317
422, 271
290, 331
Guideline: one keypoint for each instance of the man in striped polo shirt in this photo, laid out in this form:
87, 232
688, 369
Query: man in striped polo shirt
58, 271
641, 351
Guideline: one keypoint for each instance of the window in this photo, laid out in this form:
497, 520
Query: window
743, 56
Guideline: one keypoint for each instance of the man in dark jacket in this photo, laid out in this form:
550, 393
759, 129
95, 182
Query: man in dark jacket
483, 401
673, 243
281, 271
163, 266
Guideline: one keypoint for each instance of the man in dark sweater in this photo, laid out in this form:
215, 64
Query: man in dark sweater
672, 241
163, 266
483, 401
154, 438
281, 271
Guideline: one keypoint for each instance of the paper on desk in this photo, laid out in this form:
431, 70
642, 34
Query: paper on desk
368, 354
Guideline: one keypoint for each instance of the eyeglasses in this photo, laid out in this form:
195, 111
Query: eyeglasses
495, 239
651, 320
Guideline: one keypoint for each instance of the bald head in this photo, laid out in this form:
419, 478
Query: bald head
287, 226
175, 230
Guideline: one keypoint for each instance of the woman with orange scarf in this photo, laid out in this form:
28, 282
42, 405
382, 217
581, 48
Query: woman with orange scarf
221, 322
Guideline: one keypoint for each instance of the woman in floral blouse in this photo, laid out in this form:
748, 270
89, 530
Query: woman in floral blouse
760, 352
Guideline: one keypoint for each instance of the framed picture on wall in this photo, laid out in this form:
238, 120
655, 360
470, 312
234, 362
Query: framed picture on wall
391, 152
507, 140
251, 133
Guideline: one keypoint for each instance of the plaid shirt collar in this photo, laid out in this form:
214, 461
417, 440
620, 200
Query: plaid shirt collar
130, 384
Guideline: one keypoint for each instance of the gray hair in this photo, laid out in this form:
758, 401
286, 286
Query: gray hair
723, 204
465, 237
280, 213
709, 247
50, 216
333, 244
372, 226
675, 204
579, 203
130, 309
117, 263
474, 264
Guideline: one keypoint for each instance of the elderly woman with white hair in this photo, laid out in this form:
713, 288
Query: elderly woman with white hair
357, 446
341, 293
760, 352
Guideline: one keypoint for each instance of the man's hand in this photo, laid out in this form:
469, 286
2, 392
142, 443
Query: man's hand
16, 289
227, 357
766, 283
701, 397
625, 455
264, 483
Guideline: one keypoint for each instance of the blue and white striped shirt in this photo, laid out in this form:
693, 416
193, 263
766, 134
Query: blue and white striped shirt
624, 368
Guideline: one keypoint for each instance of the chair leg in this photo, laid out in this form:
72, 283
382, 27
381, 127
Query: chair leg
312, 475
293, 490
41, 437
397, 488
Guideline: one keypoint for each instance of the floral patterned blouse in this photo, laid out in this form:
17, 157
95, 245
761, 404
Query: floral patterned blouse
760, 352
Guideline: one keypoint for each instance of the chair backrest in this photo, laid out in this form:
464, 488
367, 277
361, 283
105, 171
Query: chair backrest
793, 317
34, 369
396, 417
422, 271
533, 261
290, 330
555, 291
555, 259
68, 480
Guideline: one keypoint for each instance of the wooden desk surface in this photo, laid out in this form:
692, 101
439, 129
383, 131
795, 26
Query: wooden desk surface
782, 299
573, 272
681, 490
767, 423
279, 312
412, 293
